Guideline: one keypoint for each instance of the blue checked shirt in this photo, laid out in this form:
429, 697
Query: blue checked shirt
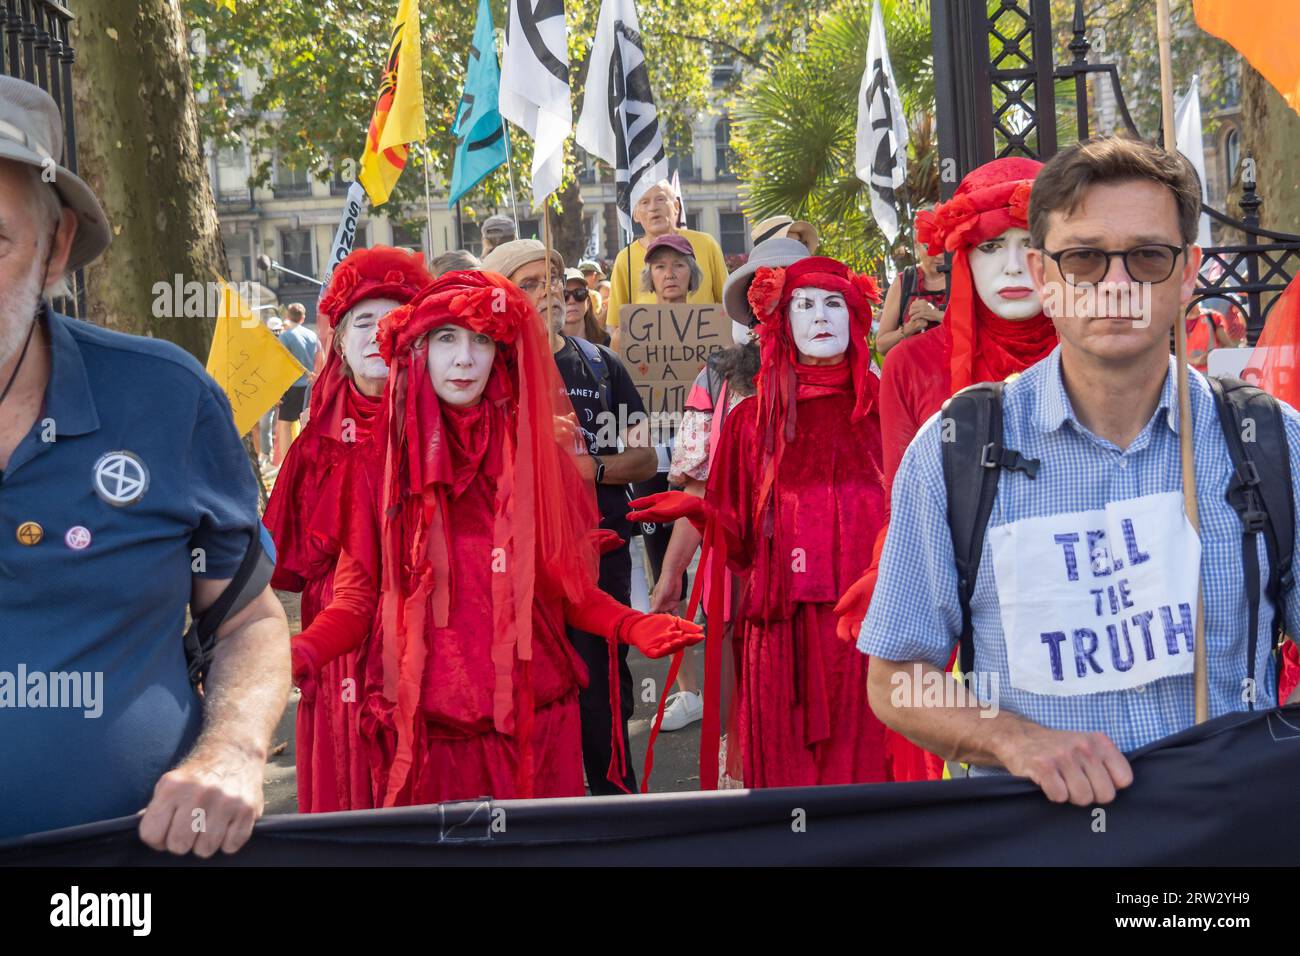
915, 614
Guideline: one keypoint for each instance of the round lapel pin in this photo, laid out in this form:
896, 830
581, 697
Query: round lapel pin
77, 538
30, 533
120, 478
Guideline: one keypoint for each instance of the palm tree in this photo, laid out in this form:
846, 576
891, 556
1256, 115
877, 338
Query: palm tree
796, 120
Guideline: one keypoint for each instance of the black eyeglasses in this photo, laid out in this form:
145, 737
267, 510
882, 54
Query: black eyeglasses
577, 295
530, 286
1152, 262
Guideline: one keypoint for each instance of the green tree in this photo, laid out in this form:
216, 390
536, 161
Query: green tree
797, 120
138, 147
317, 62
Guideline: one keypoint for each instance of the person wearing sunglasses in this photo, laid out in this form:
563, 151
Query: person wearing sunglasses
1080, 681
580, 310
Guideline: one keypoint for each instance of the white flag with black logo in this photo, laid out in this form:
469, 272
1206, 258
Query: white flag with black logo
535, 86
619, 123
881, 156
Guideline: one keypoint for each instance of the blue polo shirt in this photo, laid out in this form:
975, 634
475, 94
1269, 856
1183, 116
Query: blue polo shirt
131, 481
302, 344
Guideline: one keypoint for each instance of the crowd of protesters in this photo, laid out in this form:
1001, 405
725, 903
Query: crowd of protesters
460, 528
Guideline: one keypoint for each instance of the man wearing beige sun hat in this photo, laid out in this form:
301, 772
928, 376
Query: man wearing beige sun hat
128, 500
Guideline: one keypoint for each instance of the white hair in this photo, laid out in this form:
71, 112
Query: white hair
47, 208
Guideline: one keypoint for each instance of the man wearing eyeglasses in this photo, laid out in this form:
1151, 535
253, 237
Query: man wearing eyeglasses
1083, 607
611, 416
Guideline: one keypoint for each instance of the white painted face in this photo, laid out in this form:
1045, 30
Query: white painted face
819, 322
360, 340
1001, 276
459, 363
739, 332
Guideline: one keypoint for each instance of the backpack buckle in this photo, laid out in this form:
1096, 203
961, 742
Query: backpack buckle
995, 456
1247, 473
1253, 521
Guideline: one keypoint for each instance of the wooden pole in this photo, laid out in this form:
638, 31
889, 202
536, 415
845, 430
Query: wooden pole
546, 239
1201, 676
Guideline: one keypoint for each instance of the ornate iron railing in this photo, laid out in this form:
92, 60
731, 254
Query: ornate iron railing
995, 91
35, 46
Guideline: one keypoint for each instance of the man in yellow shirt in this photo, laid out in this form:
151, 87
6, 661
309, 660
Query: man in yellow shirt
656, 212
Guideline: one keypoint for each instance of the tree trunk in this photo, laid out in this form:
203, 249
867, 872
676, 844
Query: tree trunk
138, 147
570, 237
1272, 136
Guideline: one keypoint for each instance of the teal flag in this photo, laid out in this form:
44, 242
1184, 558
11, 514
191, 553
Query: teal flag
480, 134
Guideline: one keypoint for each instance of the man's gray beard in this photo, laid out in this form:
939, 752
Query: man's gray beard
17, 313
557, 320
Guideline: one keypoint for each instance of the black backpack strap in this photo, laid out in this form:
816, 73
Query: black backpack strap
973, 460
250, 580
598, 366
907, 290
1259, 490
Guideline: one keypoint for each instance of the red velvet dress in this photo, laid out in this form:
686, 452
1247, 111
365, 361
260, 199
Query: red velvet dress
803, 717
308, 524
459, 754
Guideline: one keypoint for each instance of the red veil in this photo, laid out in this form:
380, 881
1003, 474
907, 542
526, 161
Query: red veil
305, 509
782, 381
544, 508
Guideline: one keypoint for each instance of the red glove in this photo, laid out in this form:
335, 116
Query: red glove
658, 635
669, 506
604, 540
305, 668
851, 609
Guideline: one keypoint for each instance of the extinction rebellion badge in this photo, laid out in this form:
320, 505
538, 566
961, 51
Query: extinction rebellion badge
120, 478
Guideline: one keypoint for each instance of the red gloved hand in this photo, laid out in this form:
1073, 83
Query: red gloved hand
669, 506
604, 540
305, 670
851, 609
659, 635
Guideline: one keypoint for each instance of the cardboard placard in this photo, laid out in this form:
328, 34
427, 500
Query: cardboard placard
665, 346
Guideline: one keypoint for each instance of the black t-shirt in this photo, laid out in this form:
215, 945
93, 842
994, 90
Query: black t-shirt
626, 406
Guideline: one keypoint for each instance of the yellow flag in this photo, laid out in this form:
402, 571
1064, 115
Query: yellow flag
1264, 32
398, 119
228, 4
248, 362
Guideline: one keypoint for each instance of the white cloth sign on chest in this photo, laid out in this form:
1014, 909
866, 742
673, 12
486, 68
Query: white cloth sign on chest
1098, 600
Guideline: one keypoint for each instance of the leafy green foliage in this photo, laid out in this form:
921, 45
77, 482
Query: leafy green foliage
317, 63
797, 120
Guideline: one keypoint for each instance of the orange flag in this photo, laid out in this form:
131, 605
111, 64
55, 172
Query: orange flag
398, 119
1259, 32
1274, 365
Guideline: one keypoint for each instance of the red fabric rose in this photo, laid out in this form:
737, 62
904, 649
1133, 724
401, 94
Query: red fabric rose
390, 330
489, 311
867, 288
1019, 202
338, 297
765, 292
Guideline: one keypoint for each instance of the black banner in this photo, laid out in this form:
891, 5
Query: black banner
1215, 795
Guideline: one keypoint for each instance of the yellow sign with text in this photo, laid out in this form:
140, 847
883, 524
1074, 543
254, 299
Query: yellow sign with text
248, 362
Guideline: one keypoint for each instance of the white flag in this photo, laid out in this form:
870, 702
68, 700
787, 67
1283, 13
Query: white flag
346, 234
535, 86
681, 201
1187, 126
881, 155
619, 123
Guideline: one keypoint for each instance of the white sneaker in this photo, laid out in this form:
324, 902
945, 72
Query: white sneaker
684, 708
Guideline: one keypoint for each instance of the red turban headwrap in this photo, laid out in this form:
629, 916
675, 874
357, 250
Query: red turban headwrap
990, 200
